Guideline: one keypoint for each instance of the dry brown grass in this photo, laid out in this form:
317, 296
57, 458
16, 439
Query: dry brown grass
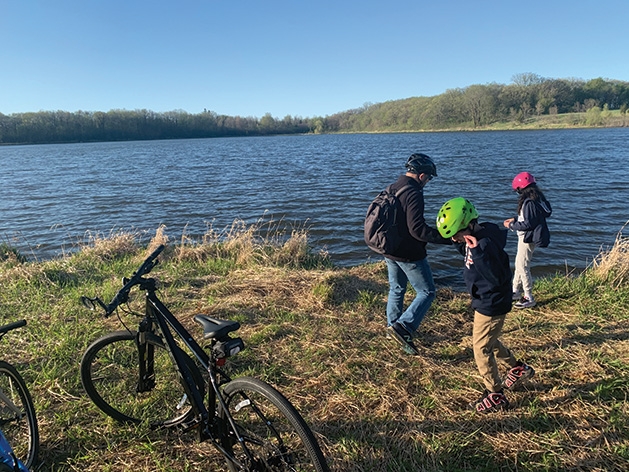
263, 243
107, 248
317, 335
612, 265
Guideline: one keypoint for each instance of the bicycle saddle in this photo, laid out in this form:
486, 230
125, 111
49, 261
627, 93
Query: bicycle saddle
215, 328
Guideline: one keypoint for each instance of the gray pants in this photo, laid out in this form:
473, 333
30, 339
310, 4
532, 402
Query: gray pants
522, 277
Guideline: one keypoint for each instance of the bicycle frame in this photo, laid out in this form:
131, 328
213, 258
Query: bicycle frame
212, 420
166, 322
8, 457
157, 312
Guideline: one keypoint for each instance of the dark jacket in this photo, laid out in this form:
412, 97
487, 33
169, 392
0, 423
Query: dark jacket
413, 228
487, 273
533, 222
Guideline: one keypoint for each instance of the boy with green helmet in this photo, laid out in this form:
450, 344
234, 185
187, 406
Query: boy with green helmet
487, 276
455, 215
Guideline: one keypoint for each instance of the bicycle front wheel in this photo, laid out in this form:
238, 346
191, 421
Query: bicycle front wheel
273, 432
110, 373
17, 415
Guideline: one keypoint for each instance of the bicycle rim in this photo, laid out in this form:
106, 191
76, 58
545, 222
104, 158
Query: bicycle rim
110, 373
274, 433
17, 418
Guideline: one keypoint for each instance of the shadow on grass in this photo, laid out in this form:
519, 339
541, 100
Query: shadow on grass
470, 442
347, 288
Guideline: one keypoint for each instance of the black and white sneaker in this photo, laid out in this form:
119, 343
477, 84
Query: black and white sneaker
400, 335
490, 402
525, 303
517, 374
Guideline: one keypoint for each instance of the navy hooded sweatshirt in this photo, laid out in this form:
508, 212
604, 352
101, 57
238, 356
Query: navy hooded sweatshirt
532, 222
487, 273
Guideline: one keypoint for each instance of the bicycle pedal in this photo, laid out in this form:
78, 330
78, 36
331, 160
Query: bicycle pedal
190, 424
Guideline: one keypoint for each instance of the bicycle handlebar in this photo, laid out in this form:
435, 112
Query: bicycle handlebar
11, 326
123, 293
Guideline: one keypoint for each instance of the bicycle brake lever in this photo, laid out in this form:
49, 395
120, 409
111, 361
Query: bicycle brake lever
92, 302
88, 302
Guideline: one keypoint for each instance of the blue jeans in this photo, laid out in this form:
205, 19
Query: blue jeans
419, 275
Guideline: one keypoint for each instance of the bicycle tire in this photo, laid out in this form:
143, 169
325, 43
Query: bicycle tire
272, 430
109, 373
20, 429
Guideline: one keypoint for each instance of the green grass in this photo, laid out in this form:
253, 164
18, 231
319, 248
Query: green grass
595, 118
316, 333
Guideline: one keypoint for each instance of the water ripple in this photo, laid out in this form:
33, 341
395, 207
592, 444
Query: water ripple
53, 195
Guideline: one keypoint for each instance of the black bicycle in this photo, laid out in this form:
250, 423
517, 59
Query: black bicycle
145, 376
19, 437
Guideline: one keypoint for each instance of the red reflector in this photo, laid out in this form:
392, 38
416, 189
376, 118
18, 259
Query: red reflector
221, 362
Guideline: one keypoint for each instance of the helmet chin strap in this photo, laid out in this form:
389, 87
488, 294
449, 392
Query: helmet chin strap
422, 183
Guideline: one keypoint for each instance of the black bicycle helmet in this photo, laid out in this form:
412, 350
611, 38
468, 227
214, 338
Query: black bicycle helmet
420, 163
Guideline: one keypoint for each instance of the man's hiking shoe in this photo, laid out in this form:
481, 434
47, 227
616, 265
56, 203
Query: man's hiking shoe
525, 303
490, 402
517, 374
400, 335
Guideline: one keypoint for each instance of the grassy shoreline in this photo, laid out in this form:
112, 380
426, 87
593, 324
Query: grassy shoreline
316, 332
575, 120
593, 119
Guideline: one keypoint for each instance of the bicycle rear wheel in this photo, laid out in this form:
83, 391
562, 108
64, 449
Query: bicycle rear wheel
274, 433
110, 375
17, 415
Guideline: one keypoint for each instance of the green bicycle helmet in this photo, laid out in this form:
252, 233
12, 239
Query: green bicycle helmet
455, 215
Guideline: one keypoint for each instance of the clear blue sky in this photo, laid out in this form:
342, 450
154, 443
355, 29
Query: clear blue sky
292, 57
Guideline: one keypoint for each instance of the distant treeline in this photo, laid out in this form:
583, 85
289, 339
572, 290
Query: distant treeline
125, 125
481, 105
472, 107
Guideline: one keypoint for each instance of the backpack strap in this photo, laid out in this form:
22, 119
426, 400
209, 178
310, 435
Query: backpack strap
401, 191
397, 196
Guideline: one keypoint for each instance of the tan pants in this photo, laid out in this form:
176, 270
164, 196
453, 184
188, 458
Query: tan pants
488, 348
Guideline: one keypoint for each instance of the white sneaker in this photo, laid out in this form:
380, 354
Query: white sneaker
525, 303
516, 296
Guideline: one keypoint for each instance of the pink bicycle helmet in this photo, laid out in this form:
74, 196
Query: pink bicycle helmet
522, 180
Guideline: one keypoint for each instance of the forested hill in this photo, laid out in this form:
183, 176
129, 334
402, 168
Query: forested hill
596, 102
590, 103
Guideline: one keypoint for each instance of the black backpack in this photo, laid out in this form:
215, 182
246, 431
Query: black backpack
382, 234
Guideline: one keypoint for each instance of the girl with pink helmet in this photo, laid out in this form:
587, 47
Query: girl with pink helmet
532, 229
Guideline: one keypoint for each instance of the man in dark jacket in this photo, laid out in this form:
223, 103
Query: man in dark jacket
487, 276
408, 262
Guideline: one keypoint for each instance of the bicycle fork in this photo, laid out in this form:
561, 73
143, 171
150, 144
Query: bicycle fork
146, 355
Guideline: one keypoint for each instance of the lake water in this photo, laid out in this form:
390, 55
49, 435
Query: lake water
53, 196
